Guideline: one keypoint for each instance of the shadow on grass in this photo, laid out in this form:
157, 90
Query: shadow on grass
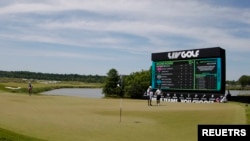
6, 135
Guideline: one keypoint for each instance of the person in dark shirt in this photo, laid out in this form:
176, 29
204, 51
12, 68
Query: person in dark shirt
30, 87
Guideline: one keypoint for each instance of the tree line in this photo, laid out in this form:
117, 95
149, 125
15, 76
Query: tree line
114, 84
128, 86
243, 82
51, 76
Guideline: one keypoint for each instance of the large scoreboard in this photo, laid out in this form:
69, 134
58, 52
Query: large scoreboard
190, 71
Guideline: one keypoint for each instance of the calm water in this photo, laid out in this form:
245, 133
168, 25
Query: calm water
80, 92
237, 92
97, 92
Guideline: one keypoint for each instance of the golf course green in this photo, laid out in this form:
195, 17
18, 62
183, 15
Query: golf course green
64, 118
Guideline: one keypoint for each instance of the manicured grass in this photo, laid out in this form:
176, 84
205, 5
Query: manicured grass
248, 113
62, 118
6, 135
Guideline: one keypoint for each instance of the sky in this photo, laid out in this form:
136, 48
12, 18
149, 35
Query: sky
90, 37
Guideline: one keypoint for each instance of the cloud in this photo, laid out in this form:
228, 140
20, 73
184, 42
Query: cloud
137, 18
125, 28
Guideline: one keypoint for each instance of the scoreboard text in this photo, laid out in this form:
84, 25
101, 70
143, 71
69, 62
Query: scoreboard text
199, 70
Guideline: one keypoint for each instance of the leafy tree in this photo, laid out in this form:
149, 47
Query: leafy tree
244, 80
137, 83
110, 84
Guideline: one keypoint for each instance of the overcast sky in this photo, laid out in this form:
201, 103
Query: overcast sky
92, 36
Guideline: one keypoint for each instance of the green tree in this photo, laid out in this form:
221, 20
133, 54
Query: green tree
244, 80
110, 84
137, 83
129, 86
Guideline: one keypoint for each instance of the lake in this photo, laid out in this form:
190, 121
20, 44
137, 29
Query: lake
80, 92
97, 92
239, 92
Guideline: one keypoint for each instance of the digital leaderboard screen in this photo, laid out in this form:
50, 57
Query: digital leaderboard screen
198, 70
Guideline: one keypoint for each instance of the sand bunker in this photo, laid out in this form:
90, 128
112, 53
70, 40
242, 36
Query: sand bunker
13, 88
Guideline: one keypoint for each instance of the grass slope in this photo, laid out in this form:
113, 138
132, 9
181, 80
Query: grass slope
62, 118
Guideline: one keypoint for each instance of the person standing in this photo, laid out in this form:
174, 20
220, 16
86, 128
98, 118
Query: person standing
149, 95
158, 93
30, 87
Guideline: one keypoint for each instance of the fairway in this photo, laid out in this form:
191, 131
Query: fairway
63, 118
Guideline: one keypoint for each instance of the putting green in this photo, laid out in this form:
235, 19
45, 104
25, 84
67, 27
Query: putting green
63, 118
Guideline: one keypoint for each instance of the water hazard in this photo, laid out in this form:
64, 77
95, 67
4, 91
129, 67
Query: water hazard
97, 92
80, 92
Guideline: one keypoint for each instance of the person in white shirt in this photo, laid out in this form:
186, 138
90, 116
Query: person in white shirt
150, 95
158, 93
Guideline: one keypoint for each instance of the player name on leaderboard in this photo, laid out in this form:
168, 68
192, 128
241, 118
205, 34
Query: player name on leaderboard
175, 74
187, 74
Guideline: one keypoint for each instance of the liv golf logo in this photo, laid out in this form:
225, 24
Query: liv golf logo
184, 54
